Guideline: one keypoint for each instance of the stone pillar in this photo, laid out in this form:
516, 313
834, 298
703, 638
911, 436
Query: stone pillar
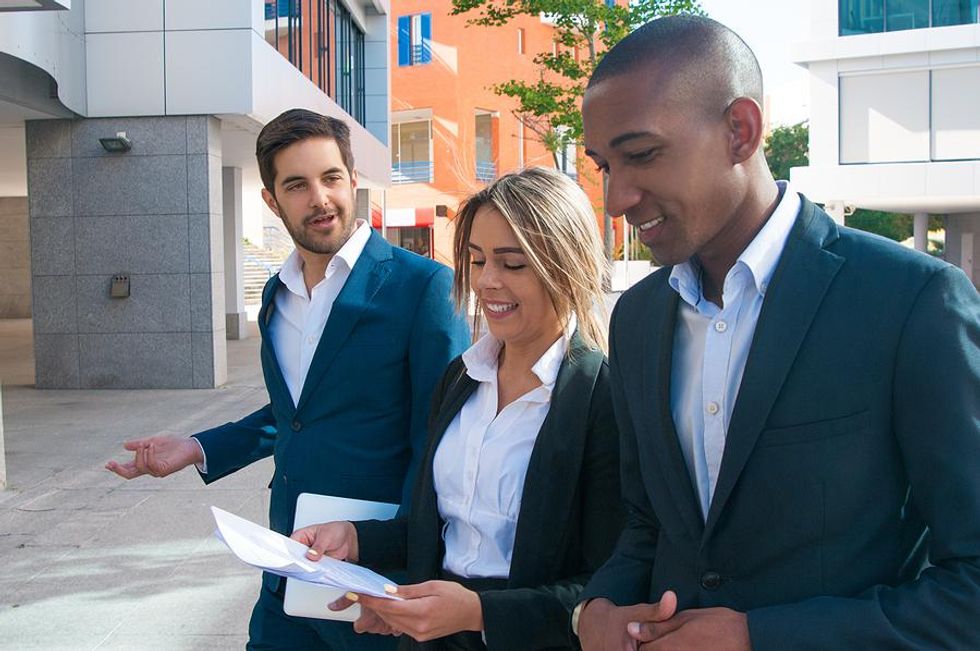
152, 215
15, 259
3, 452
236, 326
362, 204
920, 231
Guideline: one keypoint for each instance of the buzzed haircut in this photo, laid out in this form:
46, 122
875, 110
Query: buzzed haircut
700, 53
294, 126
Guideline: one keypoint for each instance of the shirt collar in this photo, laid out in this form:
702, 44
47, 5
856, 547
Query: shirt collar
481, 358
760, 257
291, 273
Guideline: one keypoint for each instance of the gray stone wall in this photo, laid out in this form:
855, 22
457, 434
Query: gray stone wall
154, 214
15, 259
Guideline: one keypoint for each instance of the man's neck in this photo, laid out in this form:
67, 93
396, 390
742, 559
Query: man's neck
314, 267
714, 268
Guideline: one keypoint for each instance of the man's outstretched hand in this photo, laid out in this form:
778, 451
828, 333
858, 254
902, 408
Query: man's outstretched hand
158, 456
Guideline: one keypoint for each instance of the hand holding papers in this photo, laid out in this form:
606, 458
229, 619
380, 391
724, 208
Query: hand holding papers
275, 553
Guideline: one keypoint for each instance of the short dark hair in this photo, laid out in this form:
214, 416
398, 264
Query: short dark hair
294, 126
696, 49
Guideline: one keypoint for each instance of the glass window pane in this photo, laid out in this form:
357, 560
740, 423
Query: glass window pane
953, 12
414, 142
861, 16
484, 138
906, 14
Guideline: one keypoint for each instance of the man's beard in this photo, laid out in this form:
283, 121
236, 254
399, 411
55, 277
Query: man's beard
343, 228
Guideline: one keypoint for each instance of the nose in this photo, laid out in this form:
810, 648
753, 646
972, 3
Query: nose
621, 194
485, 277
320, 197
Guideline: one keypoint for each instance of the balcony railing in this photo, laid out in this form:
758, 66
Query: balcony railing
486, 171
412, 172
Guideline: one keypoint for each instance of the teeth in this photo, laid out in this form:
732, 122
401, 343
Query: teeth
500, 307
650, 224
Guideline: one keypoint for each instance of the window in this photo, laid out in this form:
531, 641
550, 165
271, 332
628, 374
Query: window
486, 150
520, 40
906, 14
884, 118
953, 12
955, 118
411, 152
567, 154
414, 39
871, 16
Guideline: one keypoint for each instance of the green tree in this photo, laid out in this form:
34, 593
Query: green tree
787, 147
550, 106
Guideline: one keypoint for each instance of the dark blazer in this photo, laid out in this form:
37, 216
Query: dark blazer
570, 514
847, 509
359, 429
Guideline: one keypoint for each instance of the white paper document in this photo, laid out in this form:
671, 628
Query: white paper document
270, 551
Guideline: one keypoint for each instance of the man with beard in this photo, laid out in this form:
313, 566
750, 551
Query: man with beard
355, 333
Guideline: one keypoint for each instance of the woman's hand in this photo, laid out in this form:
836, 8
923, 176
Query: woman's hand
334, 539
427, 610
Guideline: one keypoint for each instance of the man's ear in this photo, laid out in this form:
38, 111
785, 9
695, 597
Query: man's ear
353, 179
270, 201
745, 125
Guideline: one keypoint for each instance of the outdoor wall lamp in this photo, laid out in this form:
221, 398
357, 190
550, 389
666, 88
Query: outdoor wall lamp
117, 144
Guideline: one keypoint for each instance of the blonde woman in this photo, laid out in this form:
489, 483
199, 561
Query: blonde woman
517, 502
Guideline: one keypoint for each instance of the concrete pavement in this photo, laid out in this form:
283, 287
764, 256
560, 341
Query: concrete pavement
89, 561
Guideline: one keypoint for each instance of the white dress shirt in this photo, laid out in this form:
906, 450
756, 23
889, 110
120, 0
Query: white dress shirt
711, 345
481, 462
299, 317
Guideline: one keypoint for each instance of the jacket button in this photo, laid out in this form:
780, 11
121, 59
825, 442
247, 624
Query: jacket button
710, 580
297, 426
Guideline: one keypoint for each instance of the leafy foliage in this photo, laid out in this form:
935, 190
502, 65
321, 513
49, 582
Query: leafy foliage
550, 106
787, 147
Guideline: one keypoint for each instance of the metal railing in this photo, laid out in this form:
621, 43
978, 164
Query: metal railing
412, 172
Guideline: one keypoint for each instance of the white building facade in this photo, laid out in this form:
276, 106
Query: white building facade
895, 114
190, 83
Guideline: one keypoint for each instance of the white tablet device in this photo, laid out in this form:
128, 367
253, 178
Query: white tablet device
304, 599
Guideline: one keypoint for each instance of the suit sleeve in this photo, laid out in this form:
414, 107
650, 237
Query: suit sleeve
233, 446
625, 578
936, 420
439, 333
525, 619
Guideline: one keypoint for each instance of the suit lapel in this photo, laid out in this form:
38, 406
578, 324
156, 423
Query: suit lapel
365, 280
278, 382
553, 469
802, 277
664, 445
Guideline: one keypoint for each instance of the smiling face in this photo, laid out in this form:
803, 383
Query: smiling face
668, 156
514, 301
314, 195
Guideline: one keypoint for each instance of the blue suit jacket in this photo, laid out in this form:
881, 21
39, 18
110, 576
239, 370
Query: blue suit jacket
847, 509
359, 429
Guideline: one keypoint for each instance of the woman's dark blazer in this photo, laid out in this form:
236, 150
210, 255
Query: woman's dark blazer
569, 520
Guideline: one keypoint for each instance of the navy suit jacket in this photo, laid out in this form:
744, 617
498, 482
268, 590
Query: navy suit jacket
359, 429
847, 509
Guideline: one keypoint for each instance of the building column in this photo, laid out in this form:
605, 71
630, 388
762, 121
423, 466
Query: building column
920, 231
126, 262
362, 204
15, 259
962, 238
236, 326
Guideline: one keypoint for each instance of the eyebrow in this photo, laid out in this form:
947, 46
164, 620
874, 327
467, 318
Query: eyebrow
502, 249
299, 177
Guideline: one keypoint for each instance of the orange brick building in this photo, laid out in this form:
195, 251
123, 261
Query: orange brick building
450, 133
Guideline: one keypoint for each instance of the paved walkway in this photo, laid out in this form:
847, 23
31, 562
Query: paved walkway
89, 561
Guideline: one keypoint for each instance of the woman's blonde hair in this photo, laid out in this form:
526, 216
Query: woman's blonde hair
555, 225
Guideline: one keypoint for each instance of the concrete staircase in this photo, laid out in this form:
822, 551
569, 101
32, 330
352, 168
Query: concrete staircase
259, 264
